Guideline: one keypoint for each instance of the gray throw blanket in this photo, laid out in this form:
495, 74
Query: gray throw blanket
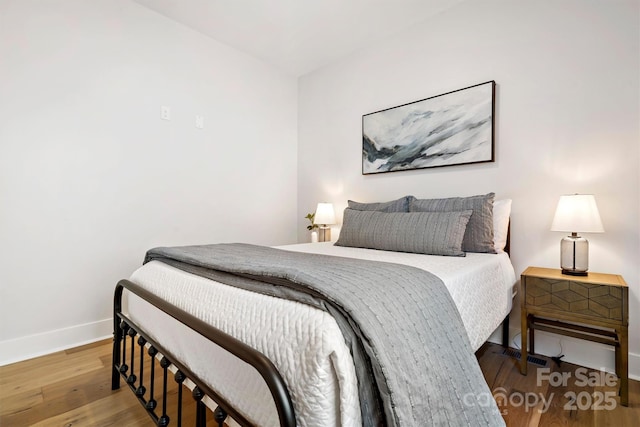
414, 362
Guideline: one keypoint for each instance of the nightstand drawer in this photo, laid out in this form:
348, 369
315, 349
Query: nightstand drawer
590, 300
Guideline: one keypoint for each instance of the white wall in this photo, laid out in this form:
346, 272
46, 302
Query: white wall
91, 177
567, 120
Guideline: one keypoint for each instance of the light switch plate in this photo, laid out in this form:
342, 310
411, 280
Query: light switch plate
165, 113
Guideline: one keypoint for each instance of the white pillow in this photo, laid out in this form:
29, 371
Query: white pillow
501, 214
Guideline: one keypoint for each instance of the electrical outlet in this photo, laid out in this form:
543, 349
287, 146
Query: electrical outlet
165, 113
199, 122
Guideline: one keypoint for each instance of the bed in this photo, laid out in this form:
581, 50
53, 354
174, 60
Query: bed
308, 371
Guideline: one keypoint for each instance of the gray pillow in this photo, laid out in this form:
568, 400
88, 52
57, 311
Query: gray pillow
399, 205
433, 233
479, 234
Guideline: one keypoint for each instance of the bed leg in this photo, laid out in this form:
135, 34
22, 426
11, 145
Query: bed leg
117, 338
115, 373
505, 332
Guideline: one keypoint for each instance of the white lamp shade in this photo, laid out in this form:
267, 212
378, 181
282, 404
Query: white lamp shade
325, 214
577, 213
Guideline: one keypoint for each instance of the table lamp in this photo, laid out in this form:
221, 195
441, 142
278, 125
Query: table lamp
324, 216
576, 213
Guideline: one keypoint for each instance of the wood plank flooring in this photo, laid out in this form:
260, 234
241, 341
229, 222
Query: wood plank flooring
73, 388
565, 395
67, 388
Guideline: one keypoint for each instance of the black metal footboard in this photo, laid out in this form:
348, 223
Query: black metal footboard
123, 327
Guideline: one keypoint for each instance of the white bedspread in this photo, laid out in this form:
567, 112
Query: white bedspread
481, 284
304, 343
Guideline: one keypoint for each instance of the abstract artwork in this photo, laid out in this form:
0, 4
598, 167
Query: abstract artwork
454, 128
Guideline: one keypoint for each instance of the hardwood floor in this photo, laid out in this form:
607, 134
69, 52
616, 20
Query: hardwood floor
67, 388
73, 388
564, 395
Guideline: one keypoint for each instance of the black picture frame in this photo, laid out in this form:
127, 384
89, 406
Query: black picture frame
454, 128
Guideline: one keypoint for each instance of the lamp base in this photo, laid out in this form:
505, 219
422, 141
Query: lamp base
574, 255
324, 234
574, 272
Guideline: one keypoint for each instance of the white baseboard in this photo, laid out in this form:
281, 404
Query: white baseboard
579, 352
30, 346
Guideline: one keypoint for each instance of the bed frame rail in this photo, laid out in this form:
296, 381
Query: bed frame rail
123, 327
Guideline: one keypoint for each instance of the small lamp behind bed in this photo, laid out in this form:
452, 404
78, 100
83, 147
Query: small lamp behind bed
324, 216
576, 212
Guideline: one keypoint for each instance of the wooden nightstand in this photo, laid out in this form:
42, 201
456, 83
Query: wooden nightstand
598, 303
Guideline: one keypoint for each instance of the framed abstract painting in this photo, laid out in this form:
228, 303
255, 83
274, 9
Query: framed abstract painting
454, 128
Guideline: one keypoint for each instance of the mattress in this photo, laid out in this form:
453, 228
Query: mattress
304, 343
